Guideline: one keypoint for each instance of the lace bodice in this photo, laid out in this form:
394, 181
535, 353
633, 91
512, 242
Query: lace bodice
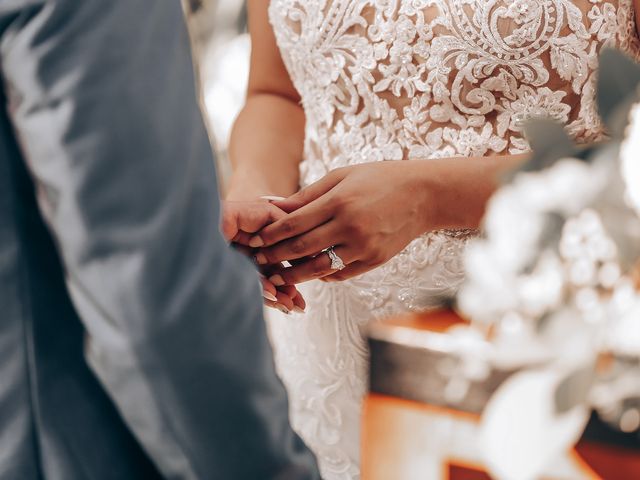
404, 79
397, 79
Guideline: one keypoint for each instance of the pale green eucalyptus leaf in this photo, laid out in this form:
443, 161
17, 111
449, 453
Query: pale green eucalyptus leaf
618, 80
574, 389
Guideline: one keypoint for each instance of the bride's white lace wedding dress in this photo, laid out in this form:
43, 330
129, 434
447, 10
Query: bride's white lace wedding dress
398, 79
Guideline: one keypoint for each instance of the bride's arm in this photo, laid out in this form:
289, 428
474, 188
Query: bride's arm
267, 138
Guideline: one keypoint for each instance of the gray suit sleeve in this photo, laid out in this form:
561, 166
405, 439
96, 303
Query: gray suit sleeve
102, 98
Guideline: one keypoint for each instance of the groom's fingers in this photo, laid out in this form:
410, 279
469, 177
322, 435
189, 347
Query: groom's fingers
317, 267
243, 238
309, 243
241, 220
229, 222
255, 218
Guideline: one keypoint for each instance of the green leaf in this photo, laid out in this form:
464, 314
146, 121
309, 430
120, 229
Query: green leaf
574, 388
618, 80
549, 143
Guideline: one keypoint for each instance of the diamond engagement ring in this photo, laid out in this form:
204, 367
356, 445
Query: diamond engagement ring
336, 261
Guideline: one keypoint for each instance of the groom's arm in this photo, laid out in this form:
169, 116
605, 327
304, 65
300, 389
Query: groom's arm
101, 95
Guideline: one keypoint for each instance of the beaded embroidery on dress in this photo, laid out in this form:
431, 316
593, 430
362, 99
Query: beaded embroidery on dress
398, 79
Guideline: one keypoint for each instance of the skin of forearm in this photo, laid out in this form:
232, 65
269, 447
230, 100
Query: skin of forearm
266, 148
455, 191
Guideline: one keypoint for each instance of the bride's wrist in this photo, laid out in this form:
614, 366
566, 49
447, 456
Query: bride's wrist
423, 189
453, 194
443, 203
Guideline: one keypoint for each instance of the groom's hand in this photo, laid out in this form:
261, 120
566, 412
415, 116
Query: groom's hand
240, 221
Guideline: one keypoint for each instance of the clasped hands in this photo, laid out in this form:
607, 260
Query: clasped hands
368, 213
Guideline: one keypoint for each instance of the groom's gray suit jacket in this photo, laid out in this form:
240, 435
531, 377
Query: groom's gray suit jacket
132, 344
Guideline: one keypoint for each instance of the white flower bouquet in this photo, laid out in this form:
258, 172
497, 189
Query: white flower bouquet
553, 285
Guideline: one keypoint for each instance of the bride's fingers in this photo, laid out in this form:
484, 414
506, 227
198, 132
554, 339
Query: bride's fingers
353, 270
310, 193
309, 243
286, 296
285, 301
294, 224
269, 291
300, 303
317, 267
277, 306
282, 308
296, 297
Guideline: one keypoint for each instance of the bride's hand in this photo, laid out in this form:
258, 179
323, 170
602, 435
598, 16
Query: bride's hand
367, 212
240, 221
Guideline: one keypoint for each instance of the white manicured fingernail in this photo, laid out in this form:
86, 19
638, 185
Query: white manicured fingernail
283, 309
269, 296
272, 198
256, 241
297, 309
